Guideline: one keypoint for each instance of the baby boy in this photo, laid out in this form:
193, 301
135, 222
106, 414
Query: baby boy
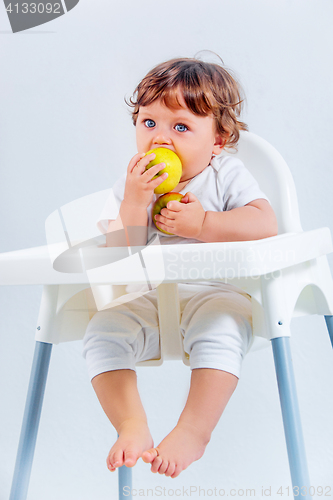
192, 108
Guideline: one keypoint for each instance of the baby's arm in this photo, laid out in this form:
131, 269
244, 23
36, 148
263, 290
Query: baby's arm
254, 221
139, 190
129, 215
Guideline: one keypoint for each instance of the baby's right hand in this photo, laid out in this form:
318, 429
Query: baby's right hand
140, 185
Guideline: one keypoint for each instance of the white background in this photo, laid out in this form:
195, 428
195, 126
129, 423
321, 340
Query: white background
65, 133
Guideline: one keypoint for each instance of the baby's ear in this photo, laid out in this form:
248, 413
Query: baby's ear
220, 142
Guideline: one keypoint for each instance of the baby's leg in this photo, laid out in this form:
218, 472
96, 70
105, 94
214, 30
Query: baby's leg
116, 339
209, 394
118, 394
217, 325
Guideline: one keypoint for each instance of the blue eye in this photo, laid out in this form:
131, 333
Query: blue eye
180, 127
150, 123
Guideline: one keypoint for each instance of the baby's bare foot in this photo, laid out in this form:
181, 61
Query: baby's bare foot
177, 451
134, 438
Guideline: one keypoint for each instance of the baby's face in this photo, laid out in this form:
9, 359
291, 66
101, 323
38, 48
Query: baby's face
191, 137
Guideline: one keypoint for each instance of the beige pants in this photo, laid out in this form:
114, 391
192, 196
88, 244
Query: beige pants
216, 323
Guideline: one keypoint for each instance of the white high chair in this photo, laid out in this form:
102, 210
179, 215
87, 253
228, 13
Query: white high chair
286, 276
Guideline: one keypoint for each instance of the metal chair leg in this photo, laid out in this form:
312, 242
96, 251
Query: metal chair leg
125, 482
329, 324
30, 423
291, 418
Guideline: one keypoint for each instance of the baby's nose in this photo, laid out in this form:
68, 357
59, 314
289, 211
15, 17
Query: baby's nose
161, 139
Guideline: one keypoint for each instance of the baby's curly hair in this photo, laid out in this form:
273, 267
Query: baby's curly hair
206, 88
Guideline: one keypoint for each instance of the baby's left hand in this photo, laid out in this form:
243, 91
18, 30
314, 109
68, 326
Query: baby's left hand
183, 218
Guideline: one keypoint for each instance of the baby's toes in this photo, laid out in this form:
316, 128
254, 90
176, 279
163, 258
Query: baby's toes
170, 470
163, 467
156, 464
177, 471
115, 459
149, 455
130, 458
110, 467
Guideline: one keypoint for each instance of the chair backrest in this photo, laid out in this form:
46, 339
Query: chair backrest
274, 177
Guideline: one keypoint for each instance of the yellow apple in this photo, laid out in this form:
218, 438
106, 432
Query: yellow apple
173, 167
161, 202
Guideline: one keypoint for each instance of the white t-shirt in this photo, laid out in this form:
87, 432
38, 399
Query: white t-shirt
223, 185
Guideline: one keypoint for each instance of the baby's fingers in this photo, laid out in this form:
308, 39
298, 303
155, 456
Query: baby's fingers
158, 180
154, 170
142, 163
134, 161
